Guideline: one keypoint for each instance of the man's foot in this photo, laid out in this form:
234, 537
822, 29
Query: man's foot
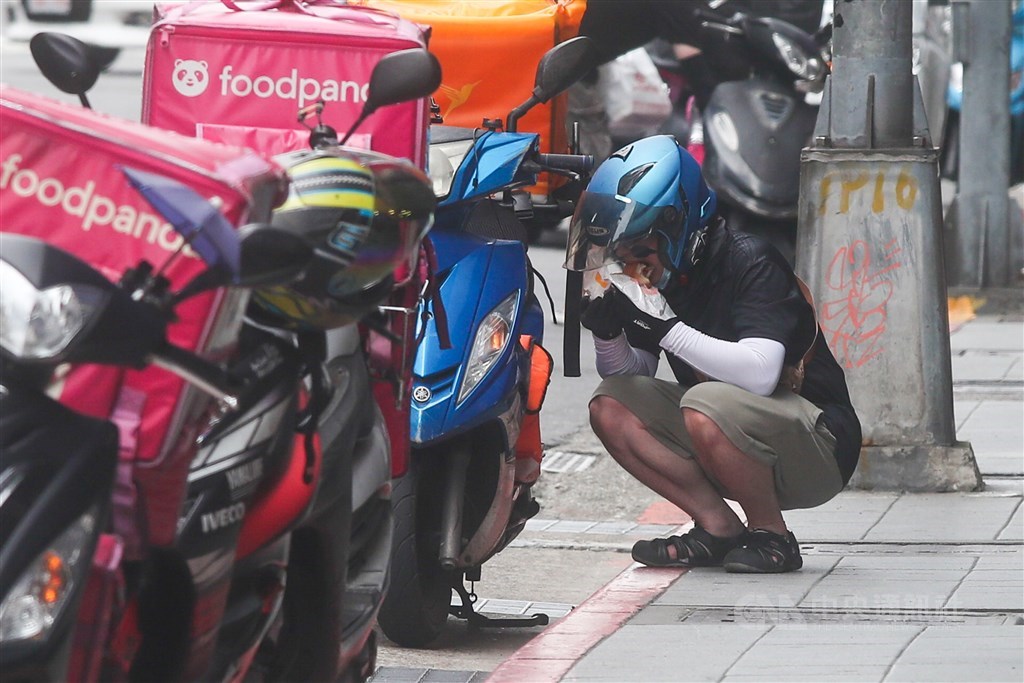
765, 552
695, 548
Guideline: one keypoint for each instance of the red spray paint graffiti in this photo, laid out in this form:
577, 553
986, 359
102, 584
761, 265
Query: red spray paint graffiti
854, 321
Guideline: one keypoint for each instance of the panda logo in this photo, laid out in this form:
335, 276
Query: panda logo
190, 77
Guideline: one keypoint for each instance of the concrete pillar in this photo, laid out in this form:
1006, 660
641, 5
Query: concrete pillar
869, 244
979, 240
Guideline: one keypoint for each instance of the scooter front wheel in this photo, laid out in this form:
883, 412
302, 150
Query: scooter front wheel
415, 609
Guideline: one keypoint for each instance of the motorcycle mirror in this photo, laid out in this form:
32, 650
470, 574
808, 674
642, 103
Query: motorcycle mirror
68, 63
269, 256
399, 77
560, 67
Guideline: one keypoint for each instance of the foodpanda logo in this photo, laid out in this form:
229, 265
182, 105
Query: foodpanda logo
190, 77
85, 201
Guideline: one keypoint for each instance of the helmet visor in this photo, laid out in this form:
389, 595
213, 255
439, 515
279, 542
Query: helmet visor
602, 225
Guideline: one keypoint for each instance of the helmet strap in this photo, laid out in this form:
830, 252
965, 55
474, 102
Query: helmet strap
665, 279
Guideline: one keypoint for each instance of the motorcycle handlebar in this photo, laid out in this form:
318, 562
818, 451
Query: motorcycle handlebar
195, 370
715, 21
577, 163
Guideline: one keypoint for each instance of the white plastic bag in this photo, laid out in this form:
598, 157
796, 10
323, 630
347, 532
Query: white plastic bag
648, 299
635, 97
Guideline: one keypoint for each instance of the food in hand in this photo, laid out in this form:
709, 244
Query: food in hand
639, 271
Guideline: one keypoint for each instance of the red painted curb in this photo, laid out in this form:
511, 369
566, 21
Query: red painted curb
550, 655
663, 512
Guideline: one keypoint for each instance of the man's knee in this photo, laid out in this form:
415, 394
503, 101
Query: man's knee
604, 410
702, 429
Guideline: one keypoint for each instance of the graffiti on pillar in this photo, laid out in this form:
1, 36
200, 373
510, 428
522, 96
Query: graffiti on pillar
859, 279
901, 190
854, 313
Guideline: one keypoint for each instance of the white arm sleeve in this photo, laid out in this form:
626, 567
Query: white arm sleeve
754, 364
617, 357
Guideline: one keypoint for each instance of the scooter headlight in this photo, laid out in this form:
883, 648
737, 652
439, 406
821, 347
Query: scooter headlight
34, 603
445, 157
491, 338
40, 324
808, 67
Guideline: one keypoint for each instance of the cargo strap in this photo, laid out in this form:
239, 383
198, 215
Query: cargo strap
127, 417
792, 376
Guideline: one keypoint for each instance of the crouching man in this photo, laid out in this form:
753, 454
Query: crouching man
759, 412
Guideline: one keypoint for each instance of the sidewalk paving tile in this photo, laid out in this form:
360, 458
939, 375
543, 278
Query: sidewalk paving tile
613, 527
971, 671
847, 517
912, 581
923, 517
570, 526
713, 587
996, 433
984, 366
987, 334
997, 416
962, 411
962, 653
657, 654
837, 674
1005, 486
775, 658
995, 583
1014, 530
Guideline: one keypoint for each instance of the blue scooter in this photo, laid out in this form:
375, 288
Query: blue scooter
480, 372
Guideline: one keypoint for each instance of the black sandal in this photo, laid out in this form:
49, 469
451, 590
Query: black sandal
765, 552
695, 548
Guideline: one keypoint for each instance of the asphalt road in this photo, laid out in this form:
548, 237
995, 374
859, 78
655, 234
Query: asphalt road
549, 572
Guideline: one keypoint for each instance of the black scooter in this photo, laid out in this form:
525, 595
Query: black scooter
754, 128
62, 572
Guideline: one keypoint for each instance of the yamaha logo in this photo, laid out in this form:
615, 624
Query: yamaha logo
421, 394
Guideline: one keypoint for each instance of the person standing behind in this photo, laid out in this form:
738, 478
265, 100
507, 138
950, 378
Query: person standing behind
759, 412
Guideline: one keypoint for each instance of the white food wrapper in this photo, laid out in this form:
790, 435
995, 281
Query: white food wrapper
648, 299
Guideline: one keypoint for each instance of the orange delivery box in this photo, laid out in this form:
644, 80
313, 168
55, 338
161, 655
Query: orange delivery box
488, 51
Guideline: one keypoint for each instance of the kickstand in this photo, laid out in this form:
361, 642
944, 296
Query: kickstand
466, 611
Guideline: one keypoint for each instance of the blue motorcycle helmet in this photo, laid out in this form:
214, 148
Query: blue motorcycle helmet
650, 187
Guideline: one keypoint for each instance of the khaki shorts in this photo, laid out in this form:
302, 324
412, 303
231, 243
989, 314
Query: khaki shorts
784, 430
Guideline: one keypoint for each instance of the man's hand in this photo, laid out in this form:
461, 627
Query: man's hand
599, 315
643, 329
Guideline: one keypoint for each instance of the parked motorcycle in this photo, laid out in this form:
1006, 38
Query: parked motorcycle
752, 130
322, 309
62, 566
480, 371
313, 508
